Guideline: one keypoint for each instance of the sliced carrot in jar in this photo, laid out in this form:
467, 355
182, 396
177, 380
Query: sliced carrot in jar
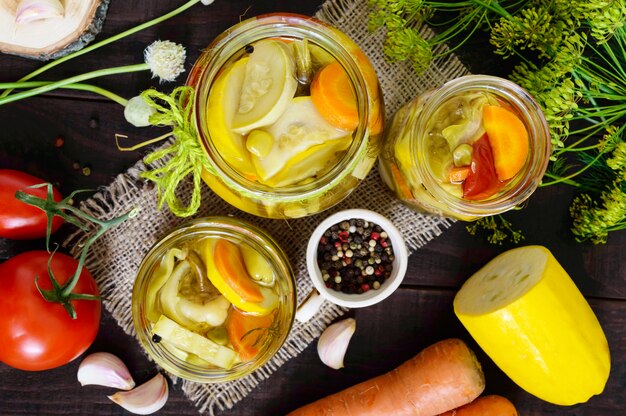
508, 138
402, 187
458, 174
229, 262
247, 333
334, 98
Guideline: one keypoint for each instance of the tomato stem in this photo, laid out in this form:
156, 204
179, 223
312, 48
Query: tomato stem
63, 293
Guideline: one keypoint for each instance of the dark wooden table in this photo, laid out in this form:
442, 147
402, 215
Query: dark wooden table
418, 314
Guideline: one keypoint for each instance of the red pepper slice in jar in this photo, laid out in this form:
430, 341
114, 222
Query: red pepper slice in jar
482, 181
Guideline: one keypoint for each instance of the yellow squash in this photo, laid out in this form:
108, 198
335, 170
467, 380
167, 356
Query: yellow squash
527, 314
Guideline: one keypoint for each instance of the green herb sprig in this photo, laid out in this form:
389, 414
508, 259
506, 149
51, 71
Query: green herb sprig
404, 20
571, 57
496, 228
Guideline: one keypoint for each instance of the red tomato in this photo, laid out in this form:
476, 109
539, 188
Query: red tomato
36, 334
482, 181
18, 220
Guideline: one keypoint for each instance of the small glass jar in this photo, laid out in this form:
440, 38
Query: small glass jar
413, 158
234, 231
340, 177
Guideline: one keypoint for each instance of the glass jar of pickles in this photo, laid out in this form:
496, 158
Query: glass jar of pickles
477, 146
289, 113
213, 300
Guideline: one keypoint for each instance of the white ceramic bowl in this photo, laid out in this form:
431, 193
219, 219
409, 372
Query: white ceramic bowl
372, 296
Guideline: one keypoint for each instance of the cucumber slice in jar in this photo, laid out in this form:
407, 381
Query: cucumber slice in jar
313, 161
268, 86
219, 335
319, 56
186, 312
221, 109
299, 128
193, 343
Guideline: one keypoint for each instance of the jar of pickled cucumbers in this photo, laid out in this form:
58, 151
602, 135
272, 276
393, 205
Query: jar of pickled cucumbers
477, 146
213, 300
289, 113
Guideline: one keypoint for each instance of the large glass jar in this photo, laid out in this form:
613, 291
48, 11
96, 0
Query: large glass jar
167, 300
311, 147
477, 146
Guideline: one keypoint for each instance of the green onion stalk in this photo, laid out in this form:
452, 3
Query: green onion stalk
107, 41
166, 61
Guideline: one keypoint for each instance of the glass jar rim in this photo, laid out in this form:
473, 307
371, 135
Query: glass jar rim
525, 183
266, 26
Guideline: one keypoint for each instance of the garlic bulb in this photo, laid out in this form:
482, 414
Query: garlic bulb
105, 369
145, 399
334, 341
31, 10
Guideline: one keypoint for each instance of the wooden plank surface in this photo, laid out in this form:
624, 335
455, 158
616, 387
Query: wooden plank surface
418, 314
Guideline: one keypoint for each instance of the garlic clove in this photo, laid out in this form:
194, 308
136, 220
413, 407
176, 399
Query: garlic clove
309, 306
145, 399
32, 10
105, 369
334, 341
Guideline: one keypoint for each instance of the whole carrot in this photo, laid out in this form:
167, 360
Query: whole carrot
443, 376
492, 405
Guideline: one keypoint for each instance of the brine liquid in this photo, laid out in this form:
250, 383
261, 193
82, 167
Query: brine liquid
224, 293
278, 116
451, 138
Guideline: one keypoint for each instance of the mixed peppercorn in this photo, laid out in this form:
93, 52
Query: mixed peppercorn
355, 256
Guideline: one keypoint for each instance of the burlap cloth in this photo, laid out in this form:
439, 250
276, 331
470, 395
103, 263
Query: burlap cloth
115, 257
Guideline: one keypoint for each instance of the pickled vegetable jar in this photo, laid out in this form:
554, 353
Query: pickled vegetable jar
289, 113
477, 146
213, 300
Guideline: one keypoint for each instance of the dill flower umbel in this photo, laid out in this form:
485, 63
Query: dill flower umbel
617, 161
593, 221
497, 229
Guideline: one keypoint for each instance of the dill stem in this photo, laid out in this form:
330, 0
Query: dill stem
576, 76
567, 179
497, 8
575, 149
617, 227
566, 182
454, 31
